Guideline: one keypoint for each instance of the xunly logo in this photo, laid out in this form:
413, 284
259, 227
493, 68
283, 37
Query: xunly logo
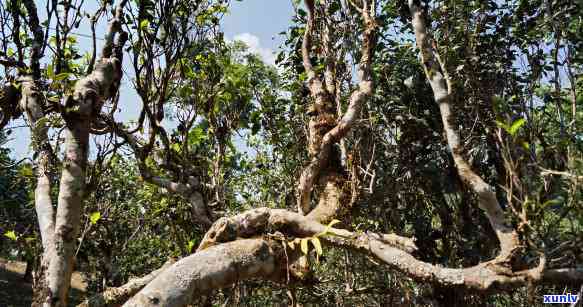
560, 298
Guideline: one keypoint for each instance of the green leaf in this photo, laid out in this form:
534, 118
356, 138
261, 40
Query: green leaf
94, 217
316, 242
502, 125
328, 227
512, 129
176, 147
54, 98
144, 25
41, 123
304, 246
11, 235
191, 245
62, 76
556, 201
26, 171
50, 71
196, 136
516, 125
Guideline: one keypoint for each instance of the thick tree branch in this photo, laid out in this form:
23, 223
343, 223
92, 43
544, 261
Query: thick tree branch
260, 220
213, 268
393, 250
321, 118
314, 83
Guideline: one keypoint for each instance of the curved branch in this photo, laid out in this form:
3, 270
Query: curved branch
188, 190
392, 249
442, 89
260, 220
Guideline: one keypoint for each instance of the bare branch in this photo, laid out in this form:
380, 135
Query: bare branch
214, 268
32, 104
575, 178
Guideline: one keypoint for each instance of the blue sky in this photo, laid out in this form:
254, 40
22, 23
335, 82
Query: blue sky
262, 18
255, 22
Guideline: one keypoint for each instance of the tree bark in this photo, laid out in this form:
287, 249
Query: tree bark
32, 104
213, 268
72, 187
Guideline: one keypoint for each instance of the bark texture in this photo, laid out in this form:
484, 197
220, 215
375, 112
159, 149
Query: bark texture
212, 268
33, 105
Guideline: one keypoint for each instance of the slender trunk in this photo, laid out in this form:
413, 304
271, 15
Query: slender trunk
68, 218
442, 87
32, 104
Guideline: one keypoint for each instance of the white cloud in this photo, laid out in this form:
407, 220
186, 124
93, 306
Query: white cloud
254, 45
